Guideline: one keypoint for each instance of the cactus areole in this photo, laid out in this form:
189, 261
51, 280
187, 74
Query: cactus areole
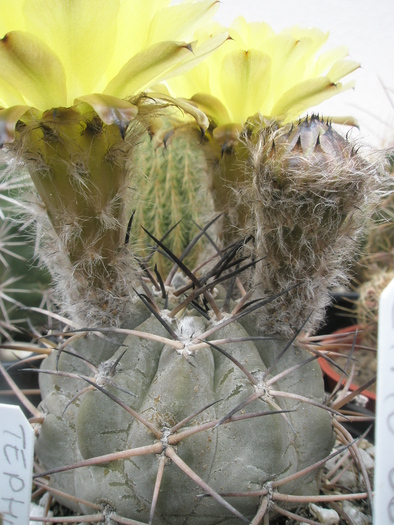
190, 417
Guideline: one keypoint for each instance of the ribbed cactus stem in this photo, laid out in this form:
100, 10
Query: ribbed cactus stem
173, 188
80, 168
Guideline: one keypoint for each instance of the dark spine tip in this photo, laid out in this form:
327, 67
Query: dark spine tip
122, 125
128, 229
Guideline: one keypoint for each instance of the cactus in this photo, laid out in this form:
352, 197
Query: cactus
367, 305
181, 398
203, 390
23, 284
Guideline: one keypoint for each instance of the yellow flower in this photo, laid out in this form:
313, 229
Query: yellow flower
70, 71
58, 53
278, 75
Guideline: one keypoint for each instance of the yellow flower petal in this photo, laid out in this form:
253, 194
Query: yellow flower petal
326, 59
82, 33
198, 74
177, 22
11, 16
289, 60
304, 95
245, 78
139, 27
196, 80
186, 106
9, 96
201, 50
73, 48
258, 71
8, 119
254, 34
134, 19
28, 62
341, 68
147, 67
212, 106
59, 51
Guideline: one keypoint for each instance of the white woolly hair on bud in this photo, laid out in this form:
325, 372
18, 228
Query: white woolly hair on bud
310, 195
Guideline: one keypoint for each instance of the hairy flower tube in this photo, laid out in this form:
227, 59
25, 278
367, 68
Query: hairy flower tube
71, 73
310, 193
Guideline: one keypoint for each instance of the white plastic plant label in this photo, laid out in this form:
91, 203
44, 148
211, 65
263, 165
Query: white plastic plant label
16, 466
384, 427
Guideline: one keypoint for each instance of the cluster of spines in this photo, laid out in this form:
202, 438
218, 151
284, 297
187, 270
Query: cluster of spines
22, 285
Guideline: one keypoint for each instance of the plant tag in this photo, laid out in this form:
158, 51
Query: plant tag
384, 426
16, 466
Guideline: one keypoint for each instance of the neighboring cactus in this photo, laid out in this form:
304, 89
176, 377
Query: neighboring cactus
367, 305
380, 242
22, 283
378, 253
374, 271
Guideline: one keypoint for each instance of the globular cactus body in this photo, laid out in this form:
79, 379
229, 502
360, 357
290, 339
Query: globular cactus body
165, 384
197, 401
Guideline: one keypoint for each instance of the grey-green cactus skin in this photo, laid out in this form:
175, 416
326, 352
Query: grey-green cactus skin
166, 388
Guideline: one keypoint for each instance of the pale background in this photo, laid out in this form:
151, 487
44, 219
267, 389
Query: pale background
366, 27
